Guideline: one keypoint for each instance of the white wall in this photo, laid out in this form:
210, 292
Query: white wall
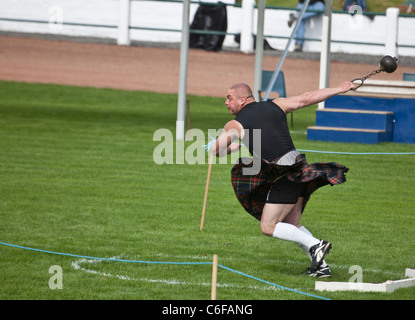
167, 15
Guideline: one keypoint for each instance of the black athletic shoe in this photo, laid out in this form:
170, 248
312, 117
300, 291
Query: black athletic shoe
318, 252
321, 272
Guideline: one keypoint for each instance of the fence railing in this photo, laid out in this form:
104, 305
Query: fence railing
210, 32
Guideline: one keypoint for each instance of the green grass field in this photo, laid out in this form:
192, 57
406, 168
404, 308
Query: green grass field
78, 177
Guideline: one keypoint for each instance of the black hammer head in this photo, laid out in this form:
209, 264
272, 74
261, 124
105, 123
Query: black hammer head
388, 64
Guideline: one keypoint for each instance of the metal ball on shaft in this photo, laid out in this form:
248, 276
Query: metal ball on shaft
387, 64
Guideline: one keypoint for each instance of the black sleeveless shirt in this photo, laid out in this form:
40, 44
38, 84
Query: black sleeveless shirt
272, 121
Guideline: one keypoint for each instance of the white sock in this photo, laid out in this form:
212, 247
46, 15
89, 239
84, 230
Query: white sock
290, 232
307, 251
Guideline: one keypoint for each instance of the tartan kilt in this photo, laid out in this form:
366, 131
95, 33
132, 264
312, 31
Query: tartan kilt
251, 190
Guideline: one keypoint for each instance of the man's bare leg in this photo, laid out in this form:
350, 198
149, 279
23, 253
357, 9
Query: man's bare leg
282, 221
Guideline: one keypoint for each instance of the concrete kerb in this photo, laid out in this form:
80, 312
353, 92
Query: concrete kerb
387, 287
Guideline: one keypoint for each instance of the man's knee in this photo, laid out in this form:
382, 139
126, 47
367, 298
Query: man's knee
267, 228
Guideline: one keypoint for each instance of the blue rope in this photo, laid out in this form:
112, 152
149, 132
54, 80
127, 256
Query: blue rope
270, 283
163, 262
213, 140
104, 259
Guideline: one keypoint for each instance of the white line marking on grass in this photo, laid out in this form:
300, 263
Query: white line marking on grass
77, 266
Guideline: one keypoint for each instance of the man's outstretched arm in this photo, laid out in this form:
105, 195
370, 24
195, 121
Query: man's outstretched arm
313, 97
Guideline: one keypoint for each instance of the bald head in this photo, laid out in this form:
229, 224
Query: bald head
241, 90
239, 95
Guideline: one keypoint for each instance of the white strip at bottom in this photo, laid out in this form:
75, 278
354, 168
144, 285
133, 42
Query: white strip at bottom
388, 286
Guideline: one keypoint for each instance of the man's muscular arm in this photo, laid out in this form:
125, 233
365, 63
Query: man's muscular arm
225, 144
310, 98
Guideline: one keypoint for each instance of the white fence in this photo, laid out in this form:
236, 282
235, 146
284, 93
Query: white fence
101, 19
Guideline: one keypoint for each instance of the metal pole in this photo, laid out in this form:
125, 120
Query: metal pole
259, 51
325, 49
247, 40
392, 15
184, 51
275, 74
124, 23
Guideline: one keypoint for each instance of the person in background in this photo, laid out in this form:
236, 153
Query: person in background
349, 3
315, 5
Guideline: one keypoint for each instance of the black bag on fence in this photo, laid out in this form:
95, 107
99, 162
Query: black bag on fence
209, 18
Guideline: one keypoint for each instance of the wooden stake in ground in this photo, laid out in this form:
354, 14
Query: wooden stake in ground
206, 191
214, 276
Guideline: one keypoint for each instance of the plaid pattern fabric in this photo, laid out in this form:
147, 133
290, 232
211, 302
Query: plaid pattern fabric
252, 190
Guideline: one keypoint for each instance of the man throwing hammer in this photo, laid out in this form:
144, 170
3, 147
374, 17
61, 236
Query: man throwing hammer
277, 194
